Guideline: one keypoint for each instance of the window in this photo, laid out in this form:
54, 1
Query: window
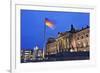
78, 38
81, 37
86, 35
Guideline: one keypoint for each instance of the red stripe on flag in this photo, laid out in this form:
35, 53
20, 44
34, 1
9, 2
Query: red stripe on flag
49, 23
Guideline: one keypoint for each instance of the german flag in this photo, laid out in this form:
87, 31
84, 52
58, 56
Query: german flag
49, 23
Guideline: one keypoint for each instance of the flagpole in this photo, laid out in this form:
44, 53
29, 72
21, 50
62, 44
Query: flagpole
49, 24
44, 41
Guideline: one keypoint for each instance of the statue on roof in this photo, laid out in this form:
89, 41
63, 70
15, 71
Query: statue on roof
72, 28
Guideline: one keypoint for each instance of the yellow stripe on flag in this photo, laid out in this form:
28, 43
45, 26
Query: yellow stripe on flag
49, 23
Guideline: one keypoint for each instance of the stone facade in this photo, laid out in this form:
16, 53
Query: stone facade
73, 40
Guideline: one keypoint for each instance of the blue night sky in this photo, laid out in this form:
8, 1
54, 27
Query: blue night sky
33, 24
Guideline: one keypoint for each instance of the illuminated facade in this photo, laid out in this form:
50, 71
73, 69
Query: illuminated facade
72, 41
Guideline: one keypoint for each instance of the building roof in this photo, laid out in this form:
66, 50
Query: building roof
60, 34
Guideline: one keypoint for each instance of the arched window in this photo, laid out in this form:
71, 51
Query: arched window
81, 37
